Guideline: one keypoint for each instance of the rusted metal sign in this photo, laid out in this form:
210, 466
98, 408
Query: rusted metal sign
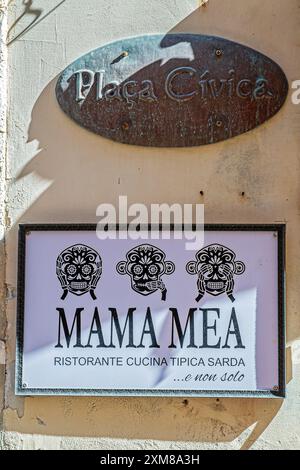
177, 90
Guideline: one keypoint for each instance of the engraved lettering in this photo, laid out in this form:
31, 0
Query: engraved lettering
231, 83
84, 83
130, 85
112, 91
261, 89
217, 91
147, 93
244, 88
170, 81
132, 90
204, 84
100, 84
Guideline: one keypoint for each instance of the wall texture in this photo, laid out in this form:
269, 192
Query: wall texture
57, 172
3, 134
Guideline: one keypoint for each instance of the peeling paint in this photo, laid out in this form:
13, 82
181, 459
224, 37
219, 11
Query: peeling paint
3, 135
12, 402
2, 353
11, 292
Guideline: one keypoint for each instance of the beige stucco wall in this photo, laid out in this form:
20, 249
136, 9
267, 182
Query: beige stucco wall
56, 171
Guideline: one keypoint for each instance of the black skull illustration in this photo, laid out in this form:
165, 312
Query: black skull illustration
145, 265
79, 269
216, 267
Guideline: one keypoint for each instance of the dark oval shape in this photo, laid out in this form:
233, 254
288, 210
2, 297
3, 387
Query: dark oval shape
175, 90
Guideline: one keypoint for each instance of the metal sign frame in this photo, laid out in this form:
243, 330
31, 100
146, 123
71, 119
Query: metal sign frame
277, 392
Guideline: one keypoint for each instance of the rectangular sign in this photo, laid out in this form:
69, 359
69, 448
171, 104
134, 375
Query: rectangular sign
104, 315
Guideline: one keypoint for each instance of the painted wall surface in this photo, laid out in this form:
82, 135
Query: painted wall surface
56, 171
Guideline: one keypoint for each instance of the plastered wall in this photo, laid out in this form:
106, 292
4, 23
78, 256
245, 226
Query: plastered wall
55, 171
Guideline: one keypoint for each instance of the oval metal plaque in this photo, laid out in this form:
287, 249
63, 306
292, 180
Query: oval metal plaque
175, 90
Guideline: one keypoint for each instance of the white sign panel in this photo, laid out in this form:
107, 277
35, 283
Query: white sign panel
150, 317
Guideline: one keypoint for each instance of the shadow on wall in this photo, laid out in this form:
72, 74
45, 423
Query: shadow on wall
85, 170
34, 15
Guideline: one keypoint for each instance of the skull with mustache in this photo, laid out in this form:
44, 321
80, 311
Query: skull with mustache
145, 265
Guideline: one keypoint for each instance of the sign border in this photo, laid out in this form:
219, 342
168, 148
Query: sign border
278, 392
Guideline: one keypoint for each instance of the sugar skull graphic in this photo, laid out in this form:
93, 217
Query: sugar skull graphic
79, 269
146, 264
216, 267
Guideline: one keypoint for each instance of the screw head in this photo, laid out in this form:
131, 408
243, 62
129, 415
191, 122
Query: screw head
24, 385
219, 52
125, 126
